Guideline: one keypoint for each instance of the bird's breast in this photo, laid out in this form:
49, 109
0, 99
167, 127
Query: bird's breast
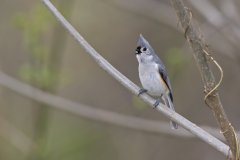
151, 80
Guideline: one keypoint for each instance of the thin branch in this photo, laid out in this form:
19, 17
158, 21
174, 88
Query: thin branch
159, 12
226, 34
217, 20
92, 113
201, 55
19, 140
203, 135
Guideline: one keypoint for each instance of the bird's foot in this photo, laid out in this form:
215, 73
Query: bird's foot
141, 91
156, 103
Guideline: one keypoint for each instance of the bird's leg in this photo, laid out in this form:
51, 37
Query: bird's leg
141, 91
157, 102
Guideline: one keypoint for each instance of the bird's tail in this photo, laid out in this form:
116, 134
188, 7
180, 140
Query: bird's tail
169, 103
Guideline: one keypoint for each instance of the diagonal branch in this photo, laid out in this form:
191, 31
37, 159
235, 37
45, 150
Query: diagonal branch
200, 133
84, 111
201, 55
88, 112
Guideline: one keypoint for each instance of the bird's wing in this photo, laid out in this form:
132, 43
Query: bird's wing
166, 81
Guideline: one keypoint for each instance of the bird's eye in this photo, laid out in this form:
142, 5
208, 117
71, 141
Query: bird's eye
144, 49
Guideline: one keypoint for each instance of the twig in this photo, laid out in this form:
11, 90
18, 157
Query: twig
92, 113
223, 24
217, 20
201, 55
160, 12
218, 145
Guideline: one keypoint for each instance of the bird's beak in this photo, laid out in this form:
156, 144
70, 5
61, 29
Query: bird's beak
138, 50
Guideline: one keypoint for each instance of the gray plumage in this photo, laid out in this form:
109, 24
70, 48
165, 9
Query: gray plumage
153, 74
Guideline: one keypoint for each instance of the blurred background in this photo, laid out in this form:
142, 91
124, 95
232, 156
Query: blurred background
36, 50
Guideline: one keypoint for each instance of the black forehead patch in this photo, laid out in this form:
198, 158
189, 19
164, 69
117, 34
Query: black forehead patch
138, 48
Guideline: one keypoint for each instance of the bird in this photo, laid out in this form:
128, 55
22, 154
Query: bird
153, 75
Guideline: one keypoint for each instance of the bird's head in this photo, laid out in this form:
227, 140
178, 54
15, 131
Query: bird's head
144, 52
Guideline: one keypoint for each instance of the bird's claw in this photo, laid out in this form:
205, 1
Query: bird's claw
156, 103
141, 91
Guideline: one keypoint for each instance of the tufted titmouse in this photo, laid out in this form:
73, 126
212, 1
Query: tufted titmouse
153, 75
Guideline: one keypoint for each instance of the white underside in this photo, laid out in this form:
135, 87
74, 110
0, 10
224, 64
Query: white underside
151, 80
